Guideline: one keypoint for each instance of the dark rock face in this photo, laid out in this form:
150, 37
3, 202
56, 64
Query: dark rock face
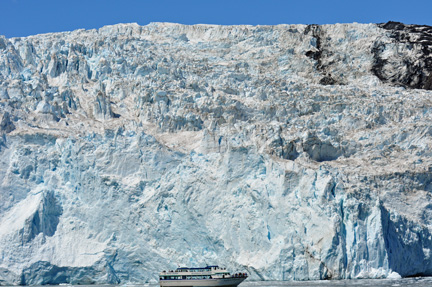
414, 71
327, 80
321, 54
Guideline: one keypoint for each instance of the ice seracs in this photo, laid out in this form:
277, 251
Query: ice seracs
292, 152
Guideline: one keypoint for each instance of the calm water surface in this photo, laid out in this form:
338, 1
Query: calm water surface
417, 282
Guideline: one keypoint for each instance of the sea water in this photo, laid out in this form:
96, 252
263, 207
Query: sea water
418, 282
405, 282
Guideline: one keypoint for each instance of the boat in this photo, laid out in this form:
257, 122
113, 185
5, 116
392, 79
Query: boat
205, 276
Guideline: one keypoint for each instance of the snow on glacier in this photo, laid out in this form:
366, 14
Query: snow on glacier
292, 152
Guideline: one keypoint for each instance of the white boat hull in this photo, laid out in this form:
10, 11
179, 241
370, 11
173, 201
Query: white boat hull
227, 282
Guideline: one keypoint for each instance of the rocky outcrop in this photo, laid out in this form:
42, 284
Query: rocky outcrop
414, 71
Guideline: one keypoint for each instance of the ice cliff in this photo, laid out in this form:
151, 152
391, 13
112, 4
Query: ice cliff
292, 152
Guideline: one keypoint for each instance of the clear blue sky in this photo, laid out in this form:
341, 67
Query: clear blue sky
29, 17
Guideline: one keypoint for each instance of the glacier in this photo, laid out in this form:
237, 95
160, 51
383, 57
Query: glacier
292, 152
